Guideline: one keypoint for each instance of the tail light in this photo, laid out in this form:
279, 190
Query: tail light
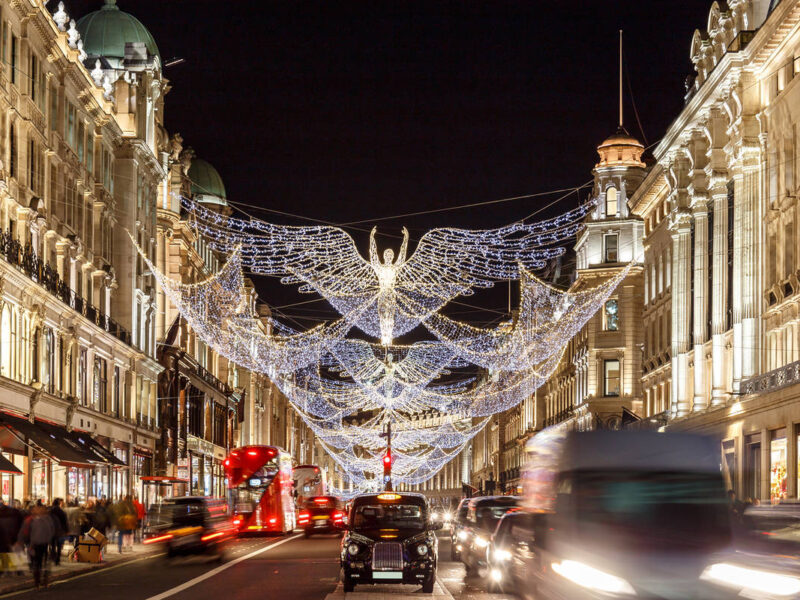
160, 538
211, 536
337, 516
303, 517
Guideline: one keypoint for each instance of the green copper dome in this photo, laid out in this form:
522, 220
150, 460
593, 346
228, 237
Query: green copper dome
207, 185
106, 31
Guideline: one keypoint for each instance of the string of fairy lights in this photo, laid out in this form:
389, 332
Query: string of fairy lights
437, 394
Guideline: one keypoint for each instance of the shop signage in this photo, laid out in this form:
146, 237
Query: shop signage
199, 446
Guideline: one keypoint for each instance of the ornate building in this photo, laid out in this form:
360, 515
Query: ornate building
79, 169
720, 209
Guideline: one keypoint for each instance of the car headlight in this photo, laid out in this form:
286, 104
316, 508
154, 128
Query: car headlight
772, 584
501, 555
422, 549
591, 578
496, 575
447, 516
463, 535
353, 549
481, 542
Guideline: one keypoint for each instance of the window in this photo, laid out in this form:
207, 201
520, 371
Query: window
81, 141
611, 377
611, 247
71, 125
12, 143
82, 392
48, 375
90, 154
612, 207
14, 49
34, 74
115, 392
611, 316
99, 395
53, 108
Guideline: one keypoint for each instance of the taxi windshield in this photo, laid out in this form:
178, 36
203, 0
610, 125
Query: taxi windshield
388, 516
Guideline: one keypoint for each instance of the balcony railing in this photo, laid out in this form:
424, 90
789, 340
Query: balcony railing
558, 418
773, 380
26, 261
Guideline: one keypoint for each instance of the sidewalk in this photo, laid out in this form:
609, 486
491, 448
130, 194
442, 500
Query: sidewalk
68, 568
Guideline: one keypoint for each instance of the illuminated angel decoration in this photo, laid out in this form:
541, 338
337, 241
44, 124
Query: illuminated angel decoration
393, 296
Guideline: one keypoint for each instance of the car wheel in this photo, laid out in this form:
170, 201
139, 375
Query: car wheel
306, 533
348, 584
427, 585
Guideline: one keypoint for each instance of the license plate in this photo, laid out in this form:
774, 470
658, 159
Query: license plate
186, 540
387, 574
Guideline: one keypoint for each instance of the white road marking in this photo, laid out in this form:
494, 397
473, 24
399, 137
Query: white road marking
220, 569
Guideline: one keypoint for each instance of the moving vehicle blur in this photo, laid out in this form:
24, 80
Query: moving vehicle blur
321, 514
260, 489
636, 514
441, 514
190, 525
309, 482
457, 533
390, 539
483, 514
508, 548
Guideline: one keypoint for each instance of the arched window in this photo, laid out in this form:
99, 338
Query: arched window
612, 207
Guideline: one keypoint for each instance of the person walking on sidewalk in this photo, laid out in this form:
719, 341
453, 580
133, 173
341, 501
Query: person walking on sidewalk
74, 523
125, 517
10, 523
60, 523
37, 534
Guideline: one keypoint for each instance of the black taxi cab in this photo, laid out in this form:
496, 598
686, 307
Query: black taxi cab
190, 525
390, 539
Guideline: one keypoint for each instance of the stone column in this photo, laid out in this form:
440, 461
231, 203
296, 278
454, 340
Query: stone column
719, 293
748, 188
700, 213
680, 228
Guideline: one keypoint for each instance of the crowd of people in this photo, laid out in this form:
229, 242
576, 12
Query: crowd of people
33, 534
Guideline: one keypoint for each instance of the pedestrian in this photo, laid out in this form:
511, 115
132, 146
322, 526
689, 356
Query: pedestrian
140, 516
74, 523
10, 523
125, 517
61, 526
37, 534
102, 519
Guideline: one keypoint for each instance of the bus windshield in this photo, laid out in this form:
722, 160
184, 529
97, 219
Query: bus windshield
246, 496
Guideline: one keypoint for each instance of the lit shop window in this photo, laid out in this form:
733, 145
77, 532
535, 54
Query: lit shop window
777, 466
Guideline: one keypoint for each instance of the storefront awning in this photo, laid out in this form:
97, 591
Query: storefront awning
87, 443
16, 432
6, 466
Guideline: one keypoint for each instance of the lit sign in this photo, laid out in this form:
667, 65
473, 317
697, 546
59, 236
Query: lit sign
255, 482
388, 496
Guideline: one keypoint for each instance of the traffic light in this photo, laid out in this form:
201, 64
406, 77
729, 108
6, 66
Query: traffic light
387, 467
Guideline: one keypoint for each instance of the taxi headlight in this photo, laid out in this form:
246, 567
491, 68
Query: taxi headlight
593, 579
771, 584
353, 549
481, 542
422, 549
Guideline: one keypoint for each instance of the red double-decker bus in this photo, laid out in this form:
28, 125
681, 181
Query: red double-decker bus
260, 489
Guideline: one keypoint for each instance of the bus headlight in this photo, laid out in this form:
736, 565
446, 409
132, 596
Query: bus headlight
591, 578
422, 549
752, 580
353, 549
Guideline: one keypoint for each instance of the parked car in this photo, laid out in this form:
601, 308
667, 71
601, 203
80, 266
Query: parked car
623, 514
483, 515
320, 514
457, 533
190, 525
389, 539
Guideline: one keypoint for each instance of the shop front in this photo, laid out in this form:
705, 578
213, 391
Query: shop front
206, 473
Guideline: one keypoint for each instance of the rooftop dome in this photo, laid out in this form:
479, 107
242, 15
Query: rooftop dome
106, 31
621, 149
207, 185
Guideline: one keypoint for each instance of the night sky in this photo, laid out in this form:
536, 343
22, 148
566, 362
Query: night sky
345, 111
